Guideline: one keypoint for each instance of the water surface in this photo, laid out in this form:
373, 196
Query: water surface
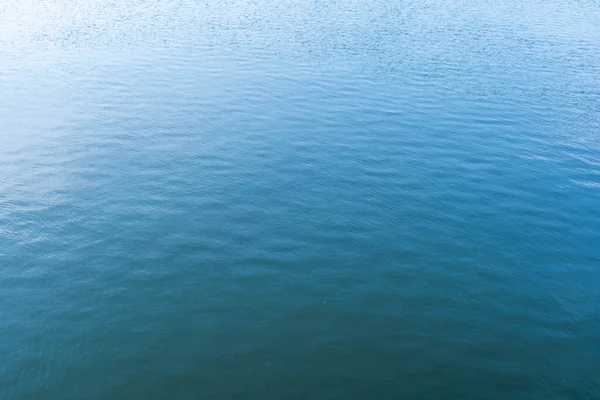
246, 199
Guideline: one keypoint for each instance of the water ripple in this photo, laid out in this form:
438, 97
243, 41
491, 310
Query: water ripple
368, 199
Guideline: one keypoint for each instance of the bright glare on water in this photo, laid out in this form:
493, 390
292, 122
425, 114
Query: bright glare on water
251, 199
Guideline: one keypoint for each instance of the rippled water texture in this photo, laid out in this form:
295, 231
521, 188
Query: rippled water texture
251, 199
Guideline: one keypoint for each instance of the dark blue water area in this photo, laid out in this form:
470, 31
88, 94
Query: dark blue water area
280, 200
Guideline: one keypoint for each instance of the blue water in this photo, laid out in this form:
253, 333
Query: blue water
249, 199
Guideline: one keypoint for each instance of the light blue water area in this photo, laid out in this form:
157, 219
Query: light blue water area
250, 199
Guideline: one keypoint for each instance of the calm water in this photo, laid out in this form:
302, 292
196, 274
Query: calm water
251, 199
